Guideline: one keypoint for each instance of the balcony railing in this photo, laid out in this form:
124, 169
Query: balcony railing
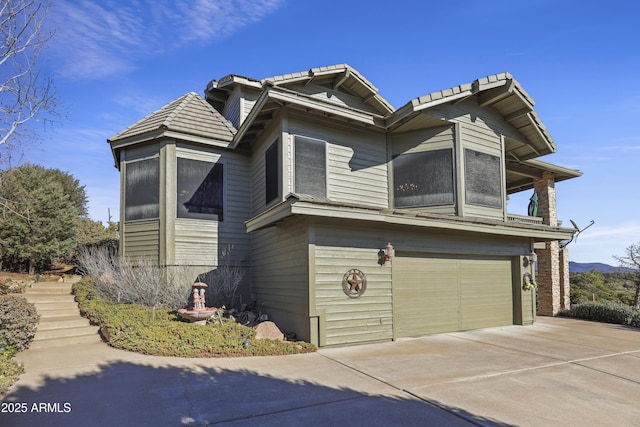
524, 219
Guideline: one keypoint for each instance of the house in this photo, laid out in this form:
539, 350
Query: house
355, 221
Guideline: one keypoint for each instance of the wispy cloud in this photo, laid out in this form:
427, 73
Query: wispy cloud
622, 148
140, 102
625, 230
602, 242
100, 39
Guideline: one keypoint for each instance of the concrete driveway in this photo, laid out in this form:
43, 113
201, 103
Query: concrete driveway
557, 372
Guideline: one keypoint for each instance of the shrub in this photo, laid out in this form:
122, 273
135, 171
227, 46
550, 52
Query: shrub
138, 281
10, 370
136, 328
8, 286
224, 281
18, 322
607, 311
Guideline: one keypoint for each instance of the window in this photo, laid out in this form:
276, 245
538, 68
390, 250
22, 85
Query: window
423, 179
483, 183
142, 190
310, 167
271, 172
200, 189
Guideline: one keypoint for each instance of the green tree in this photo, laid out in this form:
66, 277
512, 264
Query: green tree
588, 286
94, 233
40, 209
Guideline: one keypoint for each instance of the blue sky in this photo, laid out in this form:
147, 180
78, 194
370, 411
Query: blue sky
114, 62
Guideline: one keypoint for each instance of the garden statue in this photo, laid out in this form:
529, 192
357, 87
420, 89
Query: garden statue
198, 313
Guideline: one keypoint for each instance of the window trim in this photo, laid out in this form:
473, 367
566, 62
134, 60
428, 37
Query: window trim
454, 189
274, 170
499, 182
127, 164
203, 216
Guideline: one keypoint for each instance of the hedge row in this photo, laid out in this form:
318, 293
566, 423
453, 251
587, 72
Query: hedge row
18, 324
10, 370
161, 332
606, 311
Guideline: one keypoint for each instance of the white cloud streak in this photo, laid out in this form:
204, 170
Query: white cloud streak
601, 243
96, 40
629, 230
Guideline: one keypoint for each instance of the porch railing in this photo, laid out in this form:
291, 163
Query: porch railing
524, 219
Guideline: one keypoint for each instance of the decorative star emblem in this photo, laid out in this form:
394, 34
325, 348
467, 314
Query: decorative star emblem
354, 283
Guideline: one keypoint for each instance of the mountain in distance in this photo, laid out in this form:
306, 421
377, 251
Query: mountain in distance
581, 267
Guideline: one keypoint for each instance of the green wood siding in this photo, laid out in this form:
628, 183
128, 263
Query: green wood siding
347, 320
528, 306
356, 159
524, 301
337, 96
481, 129
280, 275
351, 320
196, 242
444, 293
257, 165
232, 107
422, 140
200, 242
250, 97
141, 151
481, 125
141, 239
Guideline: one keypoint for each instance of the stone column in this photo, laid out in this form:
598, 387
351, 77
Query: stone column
548, 277
565, 288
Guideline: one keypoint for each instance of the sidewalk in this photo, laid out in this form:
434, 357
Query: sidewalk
557, 372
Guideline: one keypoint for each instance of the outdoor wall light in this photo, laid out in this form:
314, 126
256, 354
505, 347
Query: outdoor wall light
386, 254
533, 257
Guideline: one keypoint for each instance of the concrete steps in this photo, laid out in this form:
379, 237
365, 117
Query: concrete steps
60, 320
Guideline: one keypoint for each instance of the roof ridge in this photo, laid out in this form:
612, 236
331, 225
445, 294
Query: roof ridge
216, 113
181, 102
143, 119
179, 115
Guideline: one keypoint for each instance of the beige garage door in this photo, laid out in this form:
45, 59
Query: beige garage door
433, 294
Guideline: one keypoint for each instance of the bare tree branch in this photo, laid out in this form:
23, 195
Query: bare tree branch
25, 94
631, 260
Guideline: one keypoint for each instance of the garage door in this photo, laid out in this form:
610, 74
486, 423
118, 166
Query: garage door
433, 294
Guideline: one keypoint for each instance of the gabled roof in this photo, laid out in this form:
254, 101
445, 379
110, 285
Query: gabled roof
500, 92
340, 76
188, 115
192, 118
273, 98
368, 108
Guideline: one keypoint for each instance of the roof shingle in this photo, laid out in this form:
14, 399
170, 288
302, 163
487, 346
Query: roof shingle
190, 114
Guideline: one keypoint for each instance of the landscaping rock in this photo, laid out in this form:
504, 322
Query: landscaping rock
268, 330
246, 318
